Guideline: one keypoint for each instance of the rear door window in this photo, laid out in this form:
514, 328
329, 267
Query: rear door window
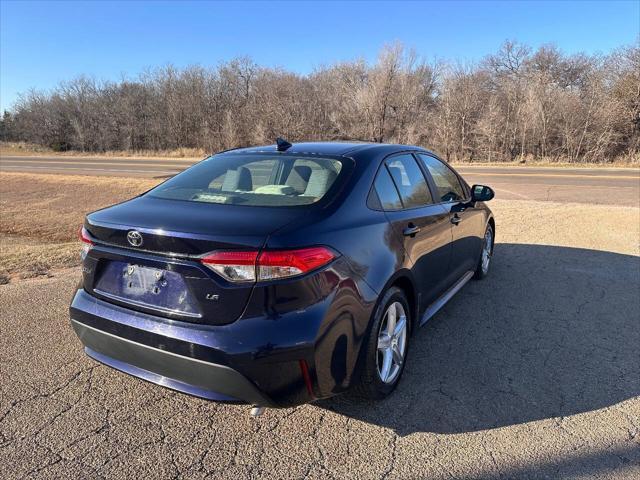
409, 181
447, 183
386, 190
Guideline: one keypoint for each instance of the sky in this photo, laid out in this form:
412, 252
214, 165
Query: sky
43, 43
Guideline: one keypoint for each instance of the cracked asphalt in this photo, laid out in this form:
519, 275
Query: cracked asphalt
531, 373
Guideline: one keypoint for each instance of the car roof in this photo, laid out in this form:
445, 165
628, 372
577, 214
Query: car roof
329, 148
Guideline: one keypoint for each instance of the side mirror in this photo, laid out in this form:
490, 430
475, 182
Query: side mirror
481, 193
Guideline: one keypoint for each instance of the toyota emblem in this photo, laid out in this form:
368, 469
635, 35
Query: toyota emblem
134, 238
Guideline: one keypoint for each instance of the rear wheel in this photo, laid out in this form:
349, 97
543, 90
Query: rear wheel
387, 345
482, 270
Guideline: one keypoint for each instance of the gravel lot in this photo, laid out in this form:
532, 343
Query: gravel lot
532, 373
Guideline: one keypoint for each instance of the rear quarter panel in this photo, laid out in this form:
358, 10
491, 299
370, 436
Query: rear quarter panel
374, 254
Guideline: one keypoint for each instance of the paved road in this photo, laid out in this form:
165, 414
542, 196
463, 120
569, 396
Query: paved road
598, 186
581, 185
146, 167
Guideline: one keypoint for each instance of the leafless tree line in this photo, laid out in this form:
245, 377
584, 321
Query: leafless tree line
512, 105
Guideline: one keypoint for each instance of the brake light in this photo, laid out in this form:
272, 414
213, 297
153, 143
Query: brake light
288, 263
248, 266
86, 241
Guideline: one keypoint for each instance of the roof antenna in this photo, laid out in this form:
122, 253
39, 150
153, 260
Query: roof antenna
283, 145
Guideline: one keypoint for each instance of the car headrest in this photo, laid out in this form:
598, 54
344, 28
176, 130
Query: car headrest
319, 182
299, 178
239, 179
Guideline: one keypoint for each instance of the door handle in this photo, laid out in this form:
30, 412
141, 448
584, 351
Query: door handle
455, 219
411, 230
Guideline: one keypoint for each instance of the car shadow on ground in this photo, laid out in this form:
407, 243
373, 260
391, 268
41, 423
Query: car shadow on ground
553, 331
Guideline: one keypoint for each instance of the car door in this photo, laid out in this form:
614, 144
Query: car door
467, 221
422, 226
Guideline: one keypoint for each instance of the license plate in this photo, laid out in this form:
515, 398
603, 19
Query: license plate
162, 290
138, 280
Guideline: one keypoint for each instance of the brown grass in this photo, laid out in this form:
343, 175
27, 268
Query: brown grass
22, 148
28, 257
625, 161
28, 149
40, 216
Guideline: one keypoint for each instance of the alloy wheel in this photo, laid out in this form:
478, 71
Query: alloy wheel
392, 343
486, 250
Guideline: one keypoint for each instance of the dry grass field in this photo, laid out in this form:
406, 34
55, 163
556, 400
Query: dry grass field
22, 149
31, 149
40, 216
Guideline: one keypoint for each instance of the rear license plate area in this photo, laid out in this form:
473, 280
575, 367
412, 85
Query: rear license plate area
139, 280
162, 290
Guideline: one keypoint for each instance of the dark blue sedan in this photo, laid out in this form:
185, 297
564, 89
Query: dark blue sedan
282, 274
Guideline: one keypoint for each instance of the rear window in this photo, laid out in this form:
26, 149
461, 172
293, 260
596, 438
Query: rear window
254, 180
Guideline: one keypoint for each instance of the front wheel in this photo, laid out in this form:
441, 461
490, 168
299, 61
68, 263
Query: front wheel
482, 269
386, 348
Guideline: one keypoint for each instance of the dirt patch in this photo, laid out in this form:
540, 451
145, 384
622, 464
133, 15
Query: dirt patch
40, 216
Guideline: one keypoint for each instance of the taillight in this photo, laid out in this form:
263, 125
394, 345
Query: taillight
234, 266
86, 241
269, 265
288, 263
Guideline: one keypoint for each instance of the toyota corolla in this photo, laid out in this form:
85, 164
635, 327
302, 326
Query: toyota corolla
282, 274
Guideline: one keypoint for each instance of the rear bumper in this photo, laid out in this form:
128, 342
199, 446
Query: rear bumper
295, 342
230, 363
188, 375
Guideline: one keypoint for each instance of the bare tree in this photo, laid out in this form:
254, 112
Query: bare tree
514, 104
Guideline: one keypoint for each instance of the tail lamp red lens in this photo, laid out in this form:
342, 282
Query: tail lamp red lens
249, 266
304, 369
86, 241
288, 263
84, 236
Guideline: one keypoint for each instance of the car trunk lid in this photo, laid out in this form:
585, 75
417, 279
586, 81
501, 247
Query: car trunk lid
187, 228
158, 270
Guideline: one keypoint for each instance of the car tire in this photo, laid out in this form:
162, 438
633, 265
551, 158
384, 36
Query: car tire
484, 262
373, 384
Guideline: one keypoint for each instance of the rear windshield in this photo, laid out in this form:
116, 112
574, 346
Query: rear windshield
254, 180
